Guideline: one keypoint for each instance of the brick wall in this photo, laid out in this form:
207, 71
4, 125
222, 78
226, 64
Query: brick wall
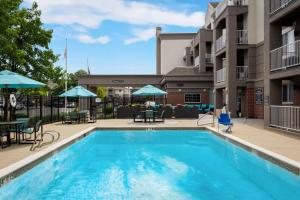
254, 111
175, 98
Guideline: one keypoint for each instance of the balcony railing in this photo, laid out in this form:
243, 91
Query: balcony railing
242, 36
221, 43
276, 5
221, 7
197, 61
285, 56
209, 59
285, 117
221, 75
241, 73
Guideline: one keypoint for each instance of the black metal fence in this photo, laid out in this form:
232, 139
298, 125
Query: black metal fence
50, 109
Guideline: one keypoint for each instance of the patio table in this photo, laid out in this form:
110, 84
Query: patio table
16, 124
145, 117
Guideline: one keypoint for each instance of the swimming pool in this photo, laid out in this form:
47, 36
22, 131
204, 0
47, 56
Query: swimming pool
159, 164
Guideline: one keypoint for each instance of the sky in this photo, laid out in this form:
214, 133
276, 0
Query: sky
115, 36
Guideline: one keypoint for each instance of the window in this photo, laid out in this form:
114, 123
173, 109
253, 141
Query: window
287, 92
288, 41
192, 98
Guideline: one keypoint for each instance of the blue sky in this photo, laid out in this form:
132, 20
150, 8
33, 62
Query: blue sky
117, 36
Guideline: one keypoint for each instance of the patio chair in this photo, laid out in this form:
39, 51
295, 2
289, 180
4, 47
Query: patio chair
225, 120
20, 127
203, 107
137, 117
149, 115
4, 133
92, 118
210, 108
73, 117
32, 131
160, 118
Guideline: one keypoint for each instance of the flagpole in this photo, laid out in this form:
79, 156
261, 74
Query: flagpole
66, 71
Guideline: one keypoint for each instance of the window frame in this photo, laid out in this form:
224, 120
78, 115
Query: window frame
185, 96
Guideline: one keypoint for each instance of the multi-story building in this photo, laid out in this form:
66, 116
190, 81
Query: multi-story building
282, 64
238, 33
184, 60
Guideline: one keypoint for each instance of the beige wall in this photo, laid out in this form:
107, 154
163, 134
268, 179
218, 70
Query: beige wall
172, 53
255, 21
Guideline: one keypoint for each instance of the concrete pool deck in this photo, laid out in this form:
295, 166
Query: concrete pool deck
250, 130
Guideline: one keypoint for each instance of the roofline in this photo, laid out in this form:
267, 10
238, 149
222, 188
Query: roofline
166, 36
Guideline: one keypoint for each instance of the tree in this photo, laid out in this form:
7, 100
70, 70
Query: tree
101, 92
24, 42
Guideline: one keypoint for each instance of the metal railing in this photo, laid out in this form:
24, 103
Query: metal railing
242, 36
221, 43
209, 59
222, 6
285, 117
221, 75
241, 73
276, 5
197, 61
285, 56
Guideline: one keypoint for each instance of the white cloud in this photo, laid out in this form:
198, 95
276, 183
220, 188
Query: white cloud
141, 35
90, 40
91, 13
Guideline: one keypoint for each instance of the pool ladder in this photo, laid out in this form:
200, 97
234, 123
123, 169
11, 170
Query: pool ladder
39, 140
204, 116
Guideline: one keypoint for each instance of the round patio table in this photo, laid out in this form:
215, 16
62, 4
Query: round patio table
13, 123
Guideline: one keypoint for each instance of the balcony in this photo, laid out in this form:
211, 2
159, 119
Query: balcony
242, 37
197, 61
221, 75
241, 73
285, 117
209, 59
223, 5
276, 5
285, 56
221, 43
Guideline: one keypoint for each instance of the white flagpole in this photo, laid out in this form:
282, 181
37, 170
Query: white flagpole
66, 71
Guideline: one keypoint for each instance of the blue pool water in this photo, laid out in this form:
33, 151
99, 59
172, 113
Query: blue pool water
169, 165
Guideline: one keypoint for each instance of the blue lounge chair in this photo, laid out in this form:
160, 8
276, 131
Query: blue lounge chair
225, 120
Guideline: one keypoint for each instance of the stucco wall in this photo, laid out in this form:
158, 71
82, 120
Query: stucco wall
172, 53
255, 21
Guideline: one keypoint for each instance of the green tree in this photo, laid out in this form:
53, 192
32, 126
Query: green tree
101, 92
24, 42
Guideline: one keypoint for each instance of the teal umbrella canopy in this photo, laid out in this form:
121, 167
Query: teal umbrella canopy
149, 90
78, 91
10, 79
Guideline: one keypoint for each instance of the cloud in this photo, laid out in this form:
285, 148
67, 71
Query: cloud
91, 13
141, 35
90, 40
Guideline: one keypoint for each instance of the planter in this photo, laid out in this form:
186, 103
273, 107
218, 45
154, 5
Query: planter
186, 113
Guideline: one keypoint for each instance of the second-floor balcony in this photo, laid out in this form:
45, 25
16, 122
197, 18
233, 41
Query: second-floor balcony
221, 75
276, 5
285, 56
221, 43
208, 59
197, 61
242, 36
241, 73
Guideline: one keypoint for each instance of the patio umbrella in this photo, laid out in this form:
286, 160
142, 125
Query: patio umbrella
149, 90
10, 79
78, 91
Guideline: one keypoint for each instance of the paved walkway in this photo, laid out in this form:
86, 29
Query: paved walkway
250, 130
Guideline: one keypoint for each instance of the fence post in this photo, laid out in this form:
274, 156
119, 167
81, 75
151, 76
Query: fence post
41, 107
51, 109
27, 106
113, 107
58, 105
104, 107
